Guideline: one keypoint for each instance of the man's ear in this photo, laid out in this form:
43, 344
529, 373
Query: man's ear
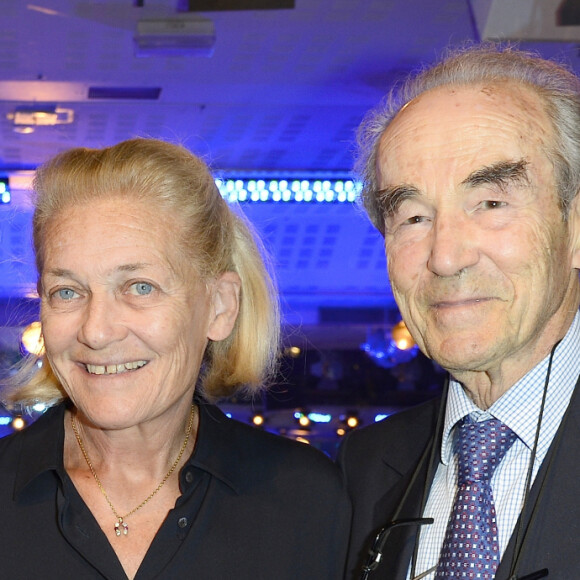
225, 305
574, 228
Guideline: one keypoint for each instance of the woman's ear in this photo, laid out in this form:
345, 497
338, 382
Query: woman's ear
225, 305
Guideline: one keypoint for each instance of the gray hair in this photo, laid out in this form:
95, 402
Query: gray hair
557, 87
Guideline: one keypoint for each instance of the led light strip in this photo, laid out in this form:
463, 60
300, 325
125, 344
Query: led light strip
5, 196
289, 190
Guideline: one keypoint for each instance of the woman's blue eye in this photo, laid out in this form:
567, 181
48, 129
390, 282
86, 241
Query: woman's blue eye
66, 294
142, 288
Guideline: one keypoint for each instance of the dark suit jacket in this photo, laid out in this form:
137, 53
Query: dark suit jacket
379, 463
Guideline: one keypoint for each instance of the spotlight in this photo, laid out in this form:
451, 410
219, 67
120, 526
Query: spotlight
18, 423
258, 420
302, 418
352, 421
402, 337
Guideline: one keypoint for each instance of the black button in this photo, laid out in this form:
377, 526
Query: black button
189, 477
182, 522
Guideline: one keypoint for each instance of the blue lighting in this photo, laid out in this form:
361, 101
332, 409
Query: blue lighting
5, 196
5, 420
384, 351
320, 417
380, 417
284, 190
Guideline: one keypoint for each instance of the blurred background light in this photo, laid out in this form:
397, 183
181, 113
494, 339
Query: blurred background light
258, 420
389, 348
5, 195
32, 340
18, 423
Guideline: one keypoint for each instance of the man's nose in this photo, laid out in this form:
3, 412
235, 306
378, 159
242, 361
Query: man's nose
453, 244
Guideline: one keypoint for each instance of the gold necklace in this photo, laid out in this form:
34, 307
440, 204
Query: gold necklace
120, 526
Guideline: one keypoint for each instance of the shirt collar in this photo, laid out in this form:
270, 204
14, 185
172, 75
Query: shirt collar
42, 446
520, 411
216, 450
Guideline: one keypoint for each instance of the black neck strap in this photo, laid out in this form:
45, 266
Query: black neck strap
521, 526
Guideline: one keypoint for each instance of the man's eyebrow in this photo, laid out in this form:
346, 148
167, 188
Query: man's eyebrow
500, 174
391, 197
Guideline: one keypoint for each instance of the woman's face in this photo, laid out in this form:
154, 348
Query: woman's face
125, 317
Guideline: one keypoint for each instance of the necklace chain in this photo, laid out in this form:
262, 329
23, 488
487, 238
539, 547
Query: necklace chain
120, 525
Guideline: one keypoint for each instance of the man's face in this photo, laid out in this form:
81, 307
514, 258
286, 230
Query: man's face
480, 259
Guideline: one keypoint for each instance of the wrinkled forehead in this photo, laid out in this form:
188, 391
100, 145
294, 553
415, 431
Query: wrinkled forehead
466, 124
162, 225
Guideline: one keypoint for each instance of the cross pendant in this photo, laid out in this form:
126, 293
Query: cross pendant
121, 527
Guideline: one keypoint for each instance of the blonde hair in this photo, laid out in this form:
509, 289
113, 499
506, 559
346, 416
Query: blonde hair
216, 240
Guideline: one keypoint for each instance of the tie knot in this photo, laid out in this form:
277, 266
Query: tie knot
480, 448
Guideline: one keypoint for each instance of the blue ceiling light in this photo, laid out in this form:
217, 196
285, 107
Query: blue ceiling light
294, 191
5, 196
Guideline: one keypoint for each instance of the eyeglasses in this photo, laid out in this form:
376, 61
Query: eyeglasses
376, 551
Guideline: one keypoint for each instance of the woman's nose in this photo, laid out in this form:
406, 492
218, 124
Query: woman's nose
101, 324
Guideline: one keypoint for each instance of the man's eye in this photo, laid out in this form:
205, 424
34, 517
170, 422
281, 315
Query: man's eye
66, 294
141, 288
416, 219
492, 204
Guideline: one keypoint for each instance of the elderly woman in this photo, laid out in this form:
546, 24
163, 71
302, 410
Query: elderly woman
155, 301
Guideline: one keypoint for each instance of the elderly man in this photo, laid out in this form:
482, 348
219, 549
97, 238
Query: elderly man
471, 173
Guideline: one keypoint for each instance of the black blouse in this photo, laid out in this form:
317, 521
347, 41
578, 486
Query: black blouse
253, 506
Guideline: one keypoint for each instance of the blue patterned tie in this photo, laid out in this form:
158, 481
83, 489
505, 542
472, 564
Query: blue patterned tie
471, 547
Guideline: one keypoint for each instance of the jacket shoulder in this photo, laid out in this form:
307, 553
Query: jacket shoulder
401, 435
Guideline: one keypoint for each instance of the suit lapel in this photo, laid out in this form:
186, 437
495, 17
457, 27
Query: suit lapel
405, 501
551, 521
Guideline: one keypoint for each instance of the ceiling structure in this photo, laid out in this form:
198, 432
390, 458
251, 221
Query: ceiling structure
281, 96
